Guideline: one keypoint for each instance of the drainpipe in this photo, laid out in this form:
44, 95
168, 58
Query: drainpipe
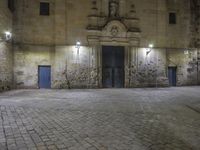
198, 66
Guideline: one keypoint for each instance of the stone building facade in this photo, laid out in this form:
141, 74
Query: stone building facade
101, 27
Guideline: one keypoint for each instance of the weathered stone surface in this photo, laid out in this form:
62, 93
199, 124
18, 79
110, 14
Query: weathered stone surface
27, 59
144, 23
103, 119
147, 70
5, 48
187, 63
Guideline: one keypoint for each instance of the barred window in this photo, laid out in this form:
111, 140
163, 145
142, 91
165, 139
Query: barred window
44, 8
172, 18
11, 5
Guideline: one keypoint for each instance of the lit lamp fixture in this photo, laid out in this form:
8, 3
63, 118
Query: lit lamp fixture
148, 50
150, 45
6, 36
78, 45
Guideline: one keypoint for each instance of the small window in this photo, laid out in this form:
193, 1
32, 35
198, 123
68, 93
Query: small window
11, 5
44, 8
172, 18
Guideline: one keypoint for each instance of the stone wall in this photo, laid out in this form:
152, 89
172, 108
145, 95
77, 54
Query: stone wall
50, 40
187, 63
68, 21
147, 69
70, 68
27, 58
194, 22
75, 68
5, 48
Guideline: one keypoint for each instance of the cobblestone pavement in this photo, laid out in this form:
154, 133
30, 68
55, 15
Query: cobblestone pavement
101, 119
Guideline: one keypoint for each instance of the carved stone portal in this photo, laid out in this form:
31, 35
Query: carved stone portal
113, 29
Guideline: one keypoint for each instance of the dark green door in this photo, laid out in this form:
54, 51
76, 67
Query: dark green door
113, 67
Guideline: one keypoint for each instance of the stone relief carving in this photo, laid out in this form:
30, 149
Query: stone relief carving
114, 31
113, 27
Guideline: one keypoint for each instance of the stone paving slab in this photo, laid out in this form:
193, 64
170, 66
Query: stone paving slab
102, 119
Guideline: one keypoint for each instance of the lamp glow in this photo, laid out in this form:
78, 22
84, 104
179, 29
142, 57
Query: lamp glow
8, 35
78, 45
151, 45
148, 50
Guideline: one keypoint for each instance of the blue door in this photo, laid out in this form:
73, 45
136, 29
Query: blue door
172, 76
44, 77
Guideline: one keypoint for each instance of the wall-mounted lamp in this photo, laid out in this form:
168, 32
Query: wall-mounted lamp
150, 45
78, 45
148, 50
6, 36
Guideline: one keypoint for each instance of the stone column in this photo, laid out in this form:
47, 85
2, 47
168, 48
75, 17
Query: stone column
105, 7
122, 8
127, 66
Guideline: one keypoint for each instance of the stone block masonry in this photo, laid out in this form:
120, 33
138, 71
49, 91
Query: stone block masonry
100, 119
6, 67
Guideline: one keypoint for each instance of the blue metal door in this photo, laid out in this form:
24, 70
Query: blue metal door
44, 77
172, 76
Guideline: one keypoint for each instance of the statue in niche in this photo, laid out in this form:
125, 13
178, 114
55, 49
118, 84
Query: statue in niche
114, 9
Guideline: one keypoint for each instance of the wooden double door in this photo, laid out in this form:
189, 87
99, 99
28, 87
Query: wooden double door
113, 67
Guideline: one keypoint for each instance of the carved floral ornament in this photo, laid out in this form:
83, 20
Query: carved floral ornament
114, 31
